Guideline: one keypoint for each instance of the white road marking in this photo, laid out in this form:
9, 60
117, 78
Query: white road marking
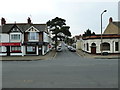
55, 55
79, 54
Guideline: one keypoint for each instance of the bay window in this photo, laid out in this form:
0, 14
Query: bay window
15, 37
33, 36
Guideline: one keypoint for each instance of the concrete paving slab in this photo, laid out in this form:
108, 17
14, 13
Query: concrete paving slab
86, 55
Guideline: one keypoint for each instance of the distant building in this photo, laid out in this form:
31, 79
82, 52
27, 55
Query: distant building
24, 38
110, 43
77, 41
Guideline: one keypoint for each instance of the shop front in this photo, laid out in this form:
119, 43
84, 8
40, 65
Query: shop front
46, 47
33, 48
9, 49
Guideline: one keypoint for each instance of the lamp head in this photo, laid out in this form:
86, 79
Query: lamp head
105, 10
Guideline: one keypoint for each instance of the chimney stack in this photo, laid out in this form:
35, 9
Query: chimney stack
110, 20
29, 20
3, 21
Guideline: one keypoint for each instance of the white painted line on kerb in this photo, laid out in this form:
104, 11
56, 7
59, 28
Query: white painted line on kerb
55, 55
79, 54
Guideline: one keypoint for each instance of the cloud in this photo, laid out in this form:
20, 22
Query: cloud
26, 6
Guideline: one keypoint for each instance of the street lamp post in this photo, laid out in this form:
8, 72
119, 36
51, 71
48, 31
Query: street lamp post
101, 29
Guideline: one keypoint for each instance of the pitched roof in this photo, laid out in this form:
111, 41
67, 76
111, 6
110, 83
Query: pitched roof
23, 27
113, 28
117, 24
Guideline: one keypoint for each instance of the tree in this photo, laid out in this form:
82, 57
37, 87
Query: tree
57, 26
88, 33
93, 33
65, 31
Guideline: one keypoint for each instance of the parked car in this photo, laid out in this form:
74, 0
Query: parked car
65, 45
72, 49
69, 47
59, 48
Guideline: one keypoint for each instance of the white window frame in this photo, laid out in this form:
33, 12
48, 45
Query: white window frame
33, 36
16, 48
15, 36
31, 48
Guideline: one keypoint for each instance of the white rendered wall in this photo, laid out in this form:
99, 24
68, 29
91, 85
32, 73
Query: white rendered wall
15, 54
98, 42
45, 37
4, 37
43, 50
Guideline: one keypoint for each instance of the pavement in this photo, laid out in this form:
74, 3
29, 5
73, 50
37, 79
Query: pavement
53, 53
49, 55
86, 55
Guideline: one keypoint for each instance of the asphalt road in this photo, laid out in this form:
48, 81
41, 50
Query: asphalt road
66, 70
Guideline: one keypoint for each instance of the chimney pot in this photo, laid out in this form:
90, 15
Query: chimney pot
29, 20
3, 21
110, 20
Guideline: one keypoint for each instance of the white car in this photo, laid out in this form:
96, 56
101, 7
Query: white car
69, 47
59, 48
72, 49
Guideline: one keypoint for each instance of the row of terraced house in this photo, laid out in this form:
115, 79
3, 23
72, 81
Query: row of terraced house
110, 40
24, 38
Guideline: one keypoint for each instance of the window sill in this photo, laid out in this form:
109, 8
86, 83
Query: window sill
16, 52
33, 40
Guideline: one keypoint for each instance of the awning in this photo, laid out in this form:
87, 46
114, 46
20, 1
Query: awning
33, 43
10, 44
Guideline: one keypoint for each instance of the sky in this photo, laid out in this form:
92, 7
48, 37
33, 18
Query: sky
80, 15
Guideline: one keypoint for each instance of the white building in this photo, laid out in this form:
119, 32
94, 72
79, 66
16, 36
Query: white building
110, 44
110, 40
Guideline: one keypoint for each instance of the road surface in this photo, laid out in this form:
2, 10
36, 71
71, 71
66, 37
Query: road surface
66, 70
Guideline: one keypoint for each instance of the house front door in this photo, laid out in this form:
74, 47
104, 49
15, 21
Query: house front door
93, 50
8, 50
40, 50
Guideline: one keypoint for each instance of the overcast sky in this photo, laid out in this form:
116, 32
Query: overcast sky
79, 14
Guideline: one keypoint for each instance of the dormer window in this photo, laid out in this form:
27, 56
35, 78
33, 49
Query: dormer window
33, 34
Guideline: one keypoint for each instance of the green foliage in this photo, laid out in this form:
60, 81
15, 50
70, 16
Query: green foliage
58, 25
88, 33
65, 30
